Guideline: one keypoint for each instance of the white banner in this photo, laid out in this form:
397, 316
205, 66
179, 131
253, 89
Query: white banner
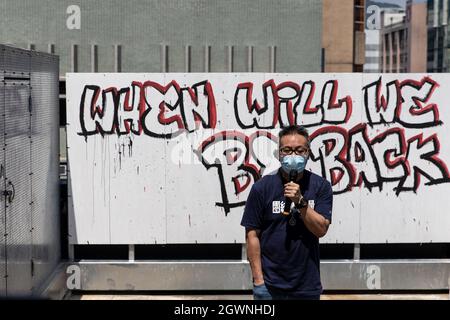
170, 158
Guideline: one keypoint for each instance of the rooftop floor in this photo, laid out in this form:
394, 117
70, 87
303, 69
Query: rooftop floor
380, 296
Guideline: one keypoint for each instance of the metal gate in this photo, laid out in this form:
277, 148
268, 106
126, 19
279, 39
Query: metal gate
18, 186
29, 223
2, 186
17, 148
44, 165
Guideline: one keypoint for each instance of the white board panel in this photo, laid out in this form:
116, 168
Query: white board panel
183, 174
207, 208
117, 181
413, 206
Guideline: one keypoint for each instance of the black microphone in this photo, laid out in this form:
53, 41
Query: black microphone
288, 202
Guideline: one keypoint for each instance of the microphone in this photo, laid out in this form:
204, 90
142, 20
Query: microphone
288, 202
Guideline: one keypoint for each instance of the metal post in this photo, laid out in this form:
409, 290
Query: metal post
356, 251
71, 252
207, 58
272, 59
117, 58
244, 252
250, 59
74, 58
187, 58
164, 58
94, 58
131, 252
229, 59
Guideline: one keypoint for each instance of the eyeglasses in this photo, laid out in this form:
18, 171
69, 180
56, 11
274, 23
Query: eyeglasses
300, 151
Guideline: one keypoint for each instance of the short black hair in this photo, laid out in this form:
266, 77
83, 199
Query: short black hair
293, 129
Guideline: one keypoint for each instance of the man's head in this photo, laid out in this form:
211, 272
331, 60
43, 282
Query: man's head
293, 151
293, 140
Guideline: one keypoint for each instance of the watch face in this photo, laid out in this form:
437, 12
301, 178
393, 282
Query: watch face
303, 203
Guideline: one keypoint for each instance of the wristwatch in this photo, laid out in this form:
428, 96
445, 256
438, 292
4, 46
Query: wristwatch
302, 203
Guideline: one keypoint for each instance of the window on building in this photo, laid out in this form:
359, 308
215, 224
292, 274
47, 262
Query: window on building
440, 62
430, 12
359, 15
448, 37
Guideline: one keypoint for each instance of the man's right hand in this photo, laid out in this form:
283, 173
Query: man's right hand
258, 282
260, 292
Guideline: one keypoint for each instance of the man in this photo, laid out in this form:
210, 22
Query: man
283, 244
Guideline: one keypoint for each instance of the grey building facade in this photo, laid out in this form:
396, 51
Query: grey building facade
169, 36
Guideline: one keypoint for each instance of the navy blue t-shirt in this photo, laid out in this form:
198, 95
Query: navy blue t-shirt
289, 251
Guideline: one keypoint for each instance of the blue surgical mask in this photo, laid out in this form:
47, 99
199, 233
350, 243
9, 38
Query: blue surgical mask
293, 162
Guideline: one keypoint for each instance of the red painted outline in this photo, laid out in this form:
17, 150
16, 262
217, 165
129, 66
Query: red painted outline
289, 104
333, 104
237, 185
342, 155
308, 109
381, 99
232, 155
254, 104
142, 105
114, 127
437, 161
422, 110
233, 135
401, 159
162, 106
212, 112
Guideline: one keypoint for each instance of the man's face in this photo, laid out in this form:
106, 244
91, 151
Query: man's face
293, 144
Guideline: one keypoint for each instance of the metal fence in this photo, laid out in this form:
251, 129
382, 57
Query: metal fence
29, 207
